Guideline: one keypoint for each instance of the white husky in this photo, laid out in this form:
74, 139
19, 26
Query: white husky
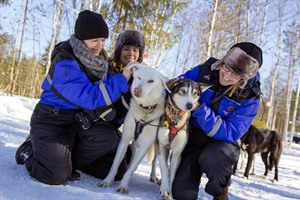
141, 124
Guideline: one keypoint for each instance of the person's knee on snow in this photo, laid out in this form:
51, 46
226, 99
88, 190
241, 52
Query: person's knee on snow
216, 161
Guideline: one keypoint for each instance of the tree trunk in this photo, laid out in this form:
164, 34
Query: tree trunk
20, 49
8, 88
98, 6
82, 6
51, 45
239, 22
212, 27
264, 24
91, 5
256, 20
291, 71
59, 21
294, 115
270, 115
248, 20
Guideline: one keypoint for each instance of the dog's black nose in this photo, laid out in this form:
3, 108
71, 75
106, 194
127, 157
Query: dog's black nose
189, 106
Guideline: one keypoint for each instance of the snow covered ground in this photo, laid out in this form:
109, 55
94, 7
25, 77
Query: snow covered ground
15, 183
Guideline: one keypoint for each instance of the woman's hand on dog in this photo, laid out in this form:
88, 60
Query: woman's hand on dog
127, 71
196, 105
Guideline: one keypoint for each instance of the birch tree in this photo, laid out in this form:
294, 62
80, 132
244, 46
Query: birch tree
294, 61
59, 20
82, 5
264, 24
212, 27
290, 42
8, 88
270, 116
295, 111
51, 45
257, 5
56, 26
20, 48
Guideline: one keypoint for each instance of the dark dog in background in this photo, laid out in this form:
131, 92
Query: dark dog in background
266, 142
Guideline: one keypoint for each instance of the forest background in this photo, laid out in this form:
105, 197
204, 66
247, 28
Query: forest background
179, 35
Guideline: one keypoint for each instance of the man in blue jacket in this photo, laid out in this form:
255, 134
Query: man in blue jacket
70, 126
225, 112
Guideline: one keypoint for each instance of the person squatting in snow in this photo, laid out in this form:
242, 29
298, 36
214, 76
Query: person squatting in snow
75, 124
226, 111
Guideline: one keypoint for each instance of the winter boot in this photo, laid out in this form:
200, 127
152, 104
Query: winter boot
223, 195
24, 151
75, 176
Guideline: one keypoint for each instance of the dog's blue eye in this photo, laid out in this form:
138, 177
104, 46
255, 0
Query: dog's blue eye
151, 81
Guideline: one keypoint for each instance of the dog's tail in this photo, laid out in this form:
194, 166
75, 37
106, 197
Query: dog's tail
150, 153
276, 149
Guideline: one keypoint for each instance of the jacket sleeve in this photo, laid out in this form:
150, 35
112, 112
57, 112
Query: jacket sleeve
75, 86
191, 74
228, 128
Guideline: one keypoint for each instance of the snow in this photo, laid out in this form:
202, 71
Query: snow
15, 183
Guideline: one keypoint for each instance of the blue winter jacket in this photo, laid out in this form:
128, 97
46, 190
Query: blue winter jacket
233, 116
71, 88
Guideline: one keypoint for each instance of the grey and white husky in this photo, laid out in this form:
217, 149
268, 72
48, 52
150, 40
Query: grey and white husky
183, 98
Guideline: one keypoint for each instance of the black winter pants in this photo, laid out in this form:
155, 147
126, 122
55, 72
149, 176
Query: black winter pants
59, 146
216, 160
95, 149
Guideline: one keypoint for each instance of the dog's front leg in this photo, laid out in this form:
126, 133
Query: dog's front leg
153, 177
122, 147
163, 159
138, 156
175, 160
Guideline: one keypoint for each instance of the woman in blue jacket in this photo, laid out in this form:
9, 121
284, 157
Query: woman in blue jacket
70, 126
225, 112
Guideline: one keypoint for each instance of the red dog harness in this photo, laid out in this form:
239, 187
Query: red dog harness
171, 124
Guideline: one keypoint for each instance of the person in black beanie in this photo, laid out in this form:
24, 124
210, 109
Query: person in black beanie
225, 112
72, 124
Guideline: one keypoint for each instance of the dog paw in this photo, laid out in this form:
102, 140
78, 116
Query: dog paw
165, 192
153, 179
167, 196
245, 177
123, 190
263, 176
104, 184
275, 181
156, 180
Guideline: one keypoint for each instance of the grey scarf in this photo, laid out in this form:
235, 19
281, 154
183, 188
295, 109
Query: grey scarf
96, 65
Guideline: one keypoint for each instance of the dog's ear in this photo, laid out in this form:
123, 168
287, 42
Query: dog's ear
204, 87
165, 81
135, 66
171, 82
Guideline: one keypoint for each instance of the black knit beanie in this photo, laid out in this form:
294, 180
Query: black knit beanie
129, 38
90, 25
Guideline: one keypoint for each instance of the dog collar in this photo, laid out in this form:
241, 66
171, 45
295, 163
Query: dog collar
175, 112
148, 107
